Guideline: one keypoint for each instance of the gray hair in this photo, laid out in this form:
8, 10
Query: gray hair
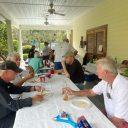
66, 40
11, 55
108, 64
36, 54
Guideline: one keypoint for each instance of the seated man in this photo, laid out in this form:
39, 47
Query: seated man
73, 70
19, 80
36, 63
8, 106
115, 90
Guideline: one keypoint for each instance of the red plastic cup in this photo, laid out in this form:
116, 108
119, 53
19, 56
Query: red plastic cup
42, 79
52, 71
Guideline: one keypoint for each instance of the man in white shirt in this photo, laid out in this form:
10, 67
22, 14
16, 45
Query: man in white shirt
46, 51
19, 80
115, 90
60, 50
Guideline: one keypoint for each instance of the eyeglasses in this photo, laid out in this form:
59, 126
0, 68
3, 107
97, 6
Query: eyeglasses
108, 94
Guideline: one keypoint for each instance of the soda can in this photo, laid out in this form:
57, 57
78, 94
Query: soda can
52, 71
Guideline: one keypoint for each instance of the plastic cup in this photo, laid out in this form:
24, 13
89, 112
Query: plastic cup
52, 71
42, 79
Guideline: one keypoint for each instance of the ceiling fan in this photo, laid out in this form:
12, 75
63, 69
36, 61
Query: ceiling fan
52, 11
46, 22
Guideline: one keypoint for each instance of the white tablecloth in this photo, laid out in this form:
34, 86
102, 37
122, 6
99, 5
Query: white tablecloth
91, 68
41, 115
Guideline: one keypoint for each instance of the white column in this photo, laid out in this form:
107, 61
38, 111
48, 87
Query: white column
9, 36
20, 45
68, 36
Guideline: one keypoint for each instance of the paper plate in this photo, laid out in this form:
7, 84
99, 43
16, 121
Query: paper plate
33, 81
81, 103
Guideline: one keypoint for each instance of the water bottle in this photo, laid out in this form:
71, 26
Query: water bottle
116, 59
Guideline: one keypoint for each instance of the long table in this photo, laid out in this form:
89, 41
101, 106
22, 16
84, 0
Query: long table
40, 115
93, 67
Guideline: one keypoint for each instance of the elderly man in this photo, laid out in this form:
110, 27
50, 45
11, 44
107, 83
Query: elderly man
73, 70
60, 50
115, 90
36, 63
8, 106
19, 80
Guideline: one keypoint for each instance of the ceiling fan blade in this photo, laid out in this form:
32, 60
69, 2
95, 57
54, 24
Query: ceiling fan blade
59, 14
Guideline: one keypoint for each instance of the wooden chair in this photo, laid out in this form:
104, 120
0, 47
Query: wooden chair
125, 62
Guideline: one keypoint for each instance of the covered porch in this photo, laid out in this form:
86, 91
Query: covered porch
42, 15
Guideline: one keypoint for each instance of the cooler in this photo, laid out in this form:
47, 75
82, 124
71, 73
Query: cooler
89, 76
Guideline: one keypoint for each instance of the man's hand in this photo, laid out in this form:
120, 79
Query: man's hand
117, 121
27, 67
37, 98
69, 91
30, 69
64, 69
29, 76
38, 88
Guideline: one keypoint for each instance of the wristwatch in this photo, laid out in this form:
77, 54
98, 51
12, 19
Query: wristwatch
34, 88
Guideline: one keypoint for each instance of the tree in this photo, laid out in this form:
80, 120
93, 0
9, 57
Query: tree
3, 37
16, 45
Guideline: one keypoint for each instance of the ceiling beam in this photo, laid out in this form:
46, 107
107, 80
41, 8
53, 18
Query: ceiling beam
5, 16
39, 27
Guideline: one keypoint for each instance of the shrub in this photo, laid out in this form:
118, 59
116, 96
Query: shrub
25, 56
16, 44
26, 48
41, 46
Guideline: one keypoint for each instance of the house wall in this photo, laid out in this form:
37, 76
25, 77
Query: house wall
111, 12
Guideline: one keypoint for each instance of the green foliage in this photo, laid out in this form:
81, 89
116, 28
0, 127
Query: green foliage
16, 45
28, 36
26, 46
25, 56
39, 36
63, 36
3, 37
41, 46
26, 49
